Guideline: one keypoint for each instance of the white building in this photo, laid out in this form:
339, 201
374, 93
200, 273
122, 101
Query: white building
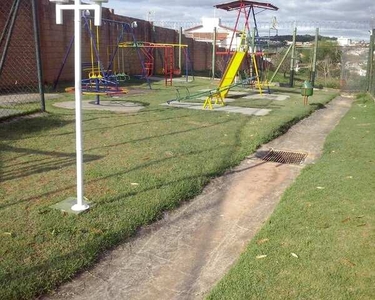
205, 33
344, 41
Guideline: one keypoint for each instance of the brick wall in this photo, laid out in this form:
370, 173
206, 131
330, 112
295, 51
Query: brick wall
19, 69
55, 40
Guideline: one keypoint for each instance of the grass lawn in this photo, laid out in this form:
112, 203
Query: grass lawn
136, 166
320, 241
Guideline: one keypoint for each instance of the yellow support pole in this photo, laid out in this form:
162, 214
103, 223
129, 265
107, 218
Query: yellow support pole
219, 99
98, 47
208, 102
257, 74
92, 53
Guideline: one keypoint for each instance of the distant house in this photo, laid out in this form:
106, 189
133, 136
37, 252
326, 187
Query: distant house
205, 33
344, 41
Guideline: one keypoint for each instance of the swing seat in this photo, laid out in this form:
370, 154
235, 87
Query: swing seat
93, 75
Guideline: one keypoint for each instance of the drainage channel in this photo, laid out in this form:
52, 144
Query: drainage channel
285, 157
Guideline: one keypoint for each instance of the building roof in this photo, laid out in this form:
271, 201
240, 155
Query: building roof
219, 26
194, 28
234, 5
209, 36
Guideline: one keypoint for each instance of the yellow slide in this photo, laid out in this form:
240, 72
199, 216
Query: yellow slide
231, 72
227, 80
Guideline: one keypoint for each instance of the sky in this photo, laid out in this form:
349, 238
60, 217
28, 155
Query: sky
334, 17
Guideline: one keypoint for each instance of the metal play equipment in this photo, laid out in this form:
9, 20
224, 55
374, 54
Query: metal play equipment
213, 96
246, 9
235, 58
21, 76
78, 7
292, 51
102, 80
169, 68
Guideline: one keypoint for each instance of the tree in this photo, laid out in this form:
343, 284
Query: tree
329, 59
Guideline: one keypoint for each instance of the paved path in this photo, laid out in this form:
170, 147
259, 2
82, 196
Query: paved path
116, 106
216, 107
186, 253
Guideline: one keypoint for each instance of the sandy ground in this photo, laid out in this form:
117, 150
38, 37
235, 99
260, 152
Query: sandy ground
190, 249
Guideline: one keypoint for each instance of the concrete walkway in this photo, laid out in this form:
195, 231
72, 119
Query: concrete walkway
216, 107
186, 253
115, 106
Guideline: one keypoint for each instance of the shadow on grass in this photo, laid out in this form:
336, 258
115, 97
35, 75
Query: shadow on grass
317, 106
160, 135
117, 174
54, 161
22, 127
257, 103
116, 126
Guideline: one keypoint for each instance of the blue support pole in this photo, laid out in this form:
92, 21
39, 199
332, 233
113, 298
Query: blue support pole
63, 63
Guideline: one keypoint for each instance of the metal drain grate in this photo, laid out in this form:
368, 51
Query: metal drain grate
285, 157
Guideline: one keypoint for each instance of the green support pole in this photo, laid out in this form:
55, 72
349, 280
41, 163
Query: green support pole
253, 41
12, 20
368, 85
214, 53
313, 68
370, 63
38, 54
180, 49
293, 58
280, 64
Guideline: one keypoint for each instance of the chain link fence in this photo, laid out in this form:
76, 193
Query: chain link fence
338, 67
371, 79
371, 66
354, 61
20, 84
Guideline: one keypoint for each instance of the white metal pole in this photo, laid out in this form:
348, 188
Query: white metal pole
80, 205
78, 7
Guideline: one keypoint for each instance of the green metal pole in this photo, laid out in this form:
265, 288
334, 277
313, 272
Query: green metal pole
313, 69
8, 21
368, 85
253, 41
280, 64
180, 49
9, 35
214, 53
293, 58
372, 61
370, 64
38, 55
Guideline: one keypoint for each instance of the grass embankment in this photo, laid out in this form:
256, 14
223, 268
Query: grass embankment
136, 166
319, 243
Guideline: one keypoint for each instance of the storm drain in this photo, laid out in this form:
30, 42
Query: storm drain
285, 157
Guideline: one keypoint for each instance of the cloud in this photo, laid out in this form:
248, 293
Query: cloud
301, 11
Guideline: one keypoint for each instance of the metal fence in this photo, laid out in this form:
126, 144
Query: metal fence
21, 89
354, 61
337, 67
371, 66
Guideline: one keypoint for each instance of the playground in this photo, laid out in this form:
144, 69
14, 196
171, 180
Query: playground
129, 187
225, 187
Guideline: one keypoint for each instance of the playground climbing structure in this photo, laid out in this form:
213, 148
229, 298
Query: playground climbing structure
245, 10
103, 79
169, 69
